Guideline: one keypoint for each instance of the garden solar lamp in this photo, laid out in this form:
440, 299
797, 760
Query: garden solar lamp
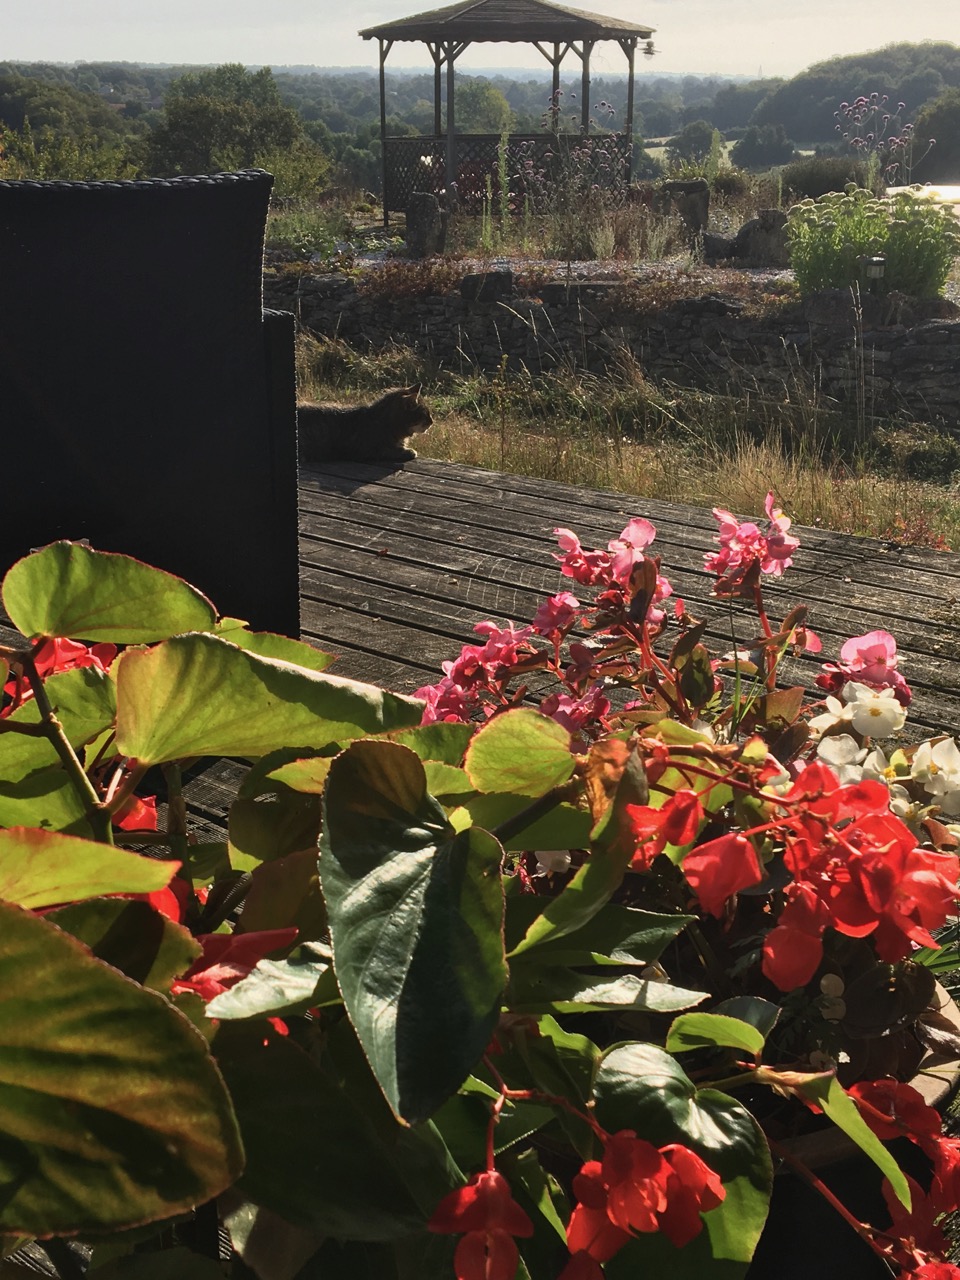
873, 269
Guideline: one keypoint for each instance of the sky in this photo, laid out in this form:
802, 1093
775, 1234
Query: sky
726, 37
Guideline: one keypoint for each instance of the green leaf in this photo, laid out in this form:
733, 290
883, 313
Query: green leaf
444, 742
313, 1155
44, 869
564, 827
446, 779
463, 1121
290, 767
45, 798
536, 988
702, 1030
85, 705
520, 752
302, 980
614, 935
112, 1112
67, 589
269, 645
286, 892
132, 937
415, 914
762, 1014
268, 828
199, 696
829, 1094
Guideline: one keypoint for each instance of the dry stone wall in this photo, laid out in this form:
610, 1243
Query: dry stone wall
903, 364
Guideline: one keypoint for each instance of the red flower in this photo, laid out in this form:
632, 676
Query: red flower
895, 1110
228, 957
138, 814
581, 1267
692, 1188
720, 868
916, 1226
62, 655
638, 1188
487, 1213
634, 1173
590, 1229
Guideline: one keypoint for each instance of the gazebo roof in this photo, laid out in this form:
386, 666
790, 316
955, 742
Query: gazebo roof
475, 21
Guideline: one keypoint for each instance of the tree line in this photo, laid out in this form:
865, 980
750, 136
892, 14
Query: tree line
318, 127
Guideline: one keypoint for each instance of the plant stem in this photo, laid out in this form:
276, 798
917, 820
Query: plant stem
97, 813
864, 1232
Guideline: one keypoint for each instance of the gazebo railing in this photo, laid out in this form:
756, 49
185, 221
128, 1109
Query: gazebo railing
540, 167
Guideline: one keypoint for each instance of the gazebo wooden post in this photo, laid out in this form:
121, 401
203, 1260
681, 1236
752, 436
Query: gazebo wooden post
436, 53
629, 47
385, 47
555, 95
450, 165
585, 87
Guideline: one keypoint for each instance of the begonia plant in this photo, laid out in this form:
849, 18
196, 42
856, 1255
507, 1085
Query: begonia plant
534, 974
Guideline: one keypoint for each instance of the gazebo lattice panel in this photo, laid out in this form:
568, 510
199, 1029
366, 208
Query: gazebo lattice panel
538, 165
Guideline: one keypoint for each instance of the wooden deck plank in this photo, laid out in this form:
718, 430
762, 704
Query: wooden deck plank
409, 560
417, 548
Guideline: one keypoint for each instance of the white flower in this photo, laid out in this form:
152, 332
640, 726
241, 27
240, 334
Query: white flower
936, 766
876, 767
845, 757
553, 861
875, 713
908, 810
836, 713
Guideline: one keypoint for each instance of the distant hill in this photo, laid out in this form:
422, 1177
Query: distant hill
914, 74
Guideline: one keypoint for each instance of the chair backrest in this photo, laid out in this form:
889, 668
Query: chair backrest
147, 403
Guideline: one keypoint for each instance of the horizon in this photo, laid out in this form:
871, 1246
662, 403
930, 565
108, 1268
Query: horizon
212, 32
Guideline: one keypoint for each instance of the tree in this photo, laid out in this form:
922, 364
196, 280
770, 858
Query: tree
940, 121
480, 107
763, 146
692, 144
228, 118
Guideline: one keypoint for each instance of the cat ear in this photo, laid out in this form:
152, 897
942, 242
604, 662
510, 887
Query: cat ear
413, 391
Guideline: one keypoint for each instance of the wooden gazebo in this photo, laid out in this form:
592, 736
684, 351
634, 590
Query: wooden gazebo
437, 161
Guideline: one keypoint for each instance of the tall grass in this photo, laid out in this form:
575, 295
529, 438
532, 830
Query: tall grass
675, 444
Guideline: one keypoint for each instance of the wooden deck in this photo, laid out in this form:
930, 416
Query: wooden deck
397, 566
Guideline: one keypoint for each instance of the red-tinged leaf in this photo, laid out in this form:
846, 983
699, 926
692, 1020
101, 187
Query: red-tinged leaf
45, 869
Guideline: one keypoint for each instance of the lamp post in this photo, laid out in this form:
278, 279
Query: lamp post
873, 270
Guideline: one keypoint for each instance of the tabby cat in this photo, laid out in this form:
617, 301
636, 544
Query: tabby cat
365, 433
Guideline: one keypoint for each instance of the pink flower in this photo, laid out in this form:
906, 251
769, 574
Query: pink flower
742, 544
575, 713
586, 567
627, 550
556, 614
869, 659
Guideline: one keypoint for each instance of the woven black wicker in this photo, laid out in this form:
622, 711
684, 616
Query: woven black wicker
147, 403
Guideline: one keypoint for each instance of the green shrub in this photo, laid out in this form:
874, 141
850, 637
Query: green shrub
732, 182
830, 237
923, 239
813, 176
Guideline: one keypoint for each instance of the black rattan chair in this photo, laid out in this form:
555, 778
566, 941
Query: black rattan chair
147, 402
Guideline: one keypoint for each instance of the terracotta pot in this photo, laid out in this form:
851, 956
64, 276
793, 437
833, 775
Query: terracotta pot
804, 1237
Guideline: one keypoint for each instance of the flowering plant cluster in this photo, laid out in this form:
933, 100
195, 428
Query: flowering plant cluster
831, 238
595, 919
875, 128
